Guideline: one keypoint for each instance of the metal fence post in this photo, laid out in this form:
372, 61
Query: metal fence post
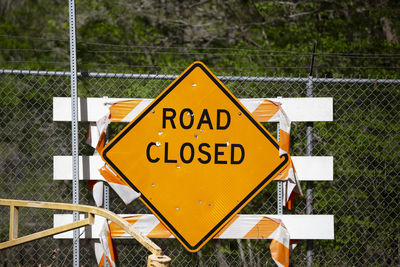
279, 189
106, 204
309, 148
106, 192
106, 196
74, 120
310, 185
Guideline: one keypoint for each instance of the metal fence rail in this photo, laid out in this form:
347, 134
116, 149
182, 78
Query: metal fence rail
222, 78
364, 139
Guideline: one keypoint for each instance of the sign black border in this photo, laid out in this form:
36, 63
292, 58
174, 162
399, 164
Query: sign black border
148, 109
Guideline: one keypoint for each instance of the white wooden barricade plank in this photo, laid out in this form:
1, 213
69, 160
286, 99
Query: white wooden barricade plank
314, 168
299, 226
88, 168
297, 109
308, 168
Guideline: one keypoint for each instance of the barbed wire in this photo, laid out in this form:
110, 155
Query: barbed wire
94, 64
186, 53
27, 49
38, 62
342, 54
195, 53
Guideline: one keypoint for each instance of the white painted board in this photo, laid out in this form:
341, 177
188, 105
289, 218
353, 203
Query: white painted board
299, 226
308, 168
297, 109
314, 168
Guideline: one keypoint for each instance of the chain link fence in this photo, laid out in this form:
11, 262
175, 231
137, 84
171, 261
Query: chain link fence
364, 140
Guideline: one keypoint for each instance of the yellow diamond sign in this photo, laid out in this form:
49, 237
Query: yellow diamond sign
196, 155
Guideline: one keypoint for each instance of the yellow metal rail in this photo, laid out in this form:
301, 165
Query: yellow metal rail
157, 259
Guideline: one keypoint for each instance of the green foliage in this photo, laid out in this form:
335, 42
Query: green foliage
230, 36
355, 38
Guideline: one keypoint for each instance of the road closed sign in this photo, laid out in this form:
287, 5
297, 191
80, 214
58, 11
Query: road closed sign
196, 155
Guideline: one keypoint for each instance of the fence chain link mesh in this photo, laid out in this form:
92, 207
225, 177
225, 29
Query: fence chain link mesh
364, 140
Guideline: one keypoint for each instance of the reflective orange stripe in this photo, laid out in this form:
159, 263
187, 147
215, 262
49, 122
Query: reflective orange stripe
102, 263
263, 229
265, 111
111, 248
101, 142
110, 177
117, 231
279, 252
120, 109
226, 226
159, 232
284, 140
